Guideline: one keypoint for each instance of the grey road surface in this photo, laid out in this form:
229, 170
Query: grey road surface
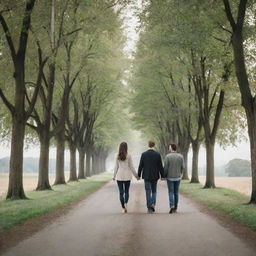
97, 227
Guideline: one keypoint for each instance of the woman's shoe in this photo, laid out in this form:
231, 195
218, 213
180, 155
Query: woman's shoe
172, 209
125, 208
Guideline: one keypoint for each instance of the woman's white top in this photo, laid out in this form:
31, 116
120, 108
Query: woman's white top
124, 169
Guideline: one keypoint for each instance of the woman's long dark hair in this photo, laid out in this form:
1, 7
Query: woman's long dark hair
123, 150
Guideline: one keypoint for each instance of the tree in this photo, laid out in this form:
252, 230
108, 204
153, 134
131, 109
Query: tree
238, 168
19, 111
72, 138
247, 95
41, 117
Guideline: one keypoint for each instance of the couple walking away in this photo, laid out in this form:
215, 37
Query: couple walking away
152, 169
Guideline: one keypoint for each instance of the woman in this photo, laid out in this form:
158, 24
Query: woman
123, 174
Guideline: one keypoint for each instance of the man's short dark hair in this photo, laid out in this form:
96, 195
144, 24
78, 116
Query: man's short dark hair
174, 146
151, 143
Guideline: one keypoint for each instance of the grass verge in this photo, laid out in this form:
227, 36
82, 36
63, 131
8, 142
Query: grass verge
228, 201
13, 212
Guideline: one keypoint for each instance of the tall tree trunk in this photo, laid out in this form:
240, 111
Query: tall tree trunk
209, 183
101, 169
44, 134
183, 146
81, 172
15, 188
248, 99
104, 159
252, 136
73, 175
94, 164
43, 177
18, 111
185, 172
195, 148
88, 163
60, 136
43, 182
101, 162
60, 160
248, 102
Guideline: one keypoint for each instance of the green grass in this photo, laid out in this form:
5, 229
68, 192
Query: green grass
228, 201
13, 212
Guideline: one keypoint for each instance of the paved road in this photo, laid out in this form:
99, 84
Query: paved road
96, 227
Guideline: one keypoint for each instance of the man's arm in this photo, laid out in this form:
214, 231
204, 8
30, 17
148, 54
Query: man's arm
182, 164
141, 165
166, 166
161, 168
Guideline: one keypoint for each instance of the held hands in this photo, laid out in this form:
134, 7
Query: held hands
163, 178
114, 179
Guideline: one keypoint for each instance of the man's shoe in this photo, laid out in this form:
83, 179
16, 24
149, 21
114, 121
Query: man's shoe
150, 210
153, 207
171, 210
175, 210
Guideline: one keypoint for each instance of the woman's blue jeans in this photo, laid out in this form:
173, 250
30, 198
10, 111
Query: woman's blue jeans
124, 191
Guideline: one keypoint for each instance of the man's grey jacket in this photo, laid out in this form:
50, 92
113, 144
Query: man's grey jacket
174, 165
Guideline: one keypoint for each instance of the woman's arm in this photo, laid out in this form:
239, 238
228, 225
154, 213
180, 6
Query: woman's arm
130, 164
115, 169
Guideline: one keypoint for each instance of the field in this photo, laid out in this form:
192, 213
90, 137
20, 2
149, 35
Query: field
239, 184
30, 181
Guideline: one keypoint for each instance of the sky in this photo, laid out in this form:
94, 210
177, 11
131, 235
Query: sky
131, 23
137, 145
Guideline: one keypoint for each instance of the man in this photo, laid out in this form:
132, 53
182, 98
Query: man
150, 166
173, 169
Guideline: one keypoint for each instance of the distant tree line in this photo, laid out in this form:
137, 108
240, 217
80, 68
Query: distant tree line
30, 165
238, 168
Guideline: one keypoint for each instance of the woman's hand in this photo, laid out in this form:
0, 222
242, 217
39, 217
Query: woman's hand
114, 179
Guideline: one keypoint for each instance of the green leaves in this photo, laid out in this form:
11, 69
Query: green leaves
177, 38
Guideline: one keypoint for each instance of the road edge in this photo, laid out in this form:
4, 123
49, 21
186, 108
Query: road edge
239, 229
18, 233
